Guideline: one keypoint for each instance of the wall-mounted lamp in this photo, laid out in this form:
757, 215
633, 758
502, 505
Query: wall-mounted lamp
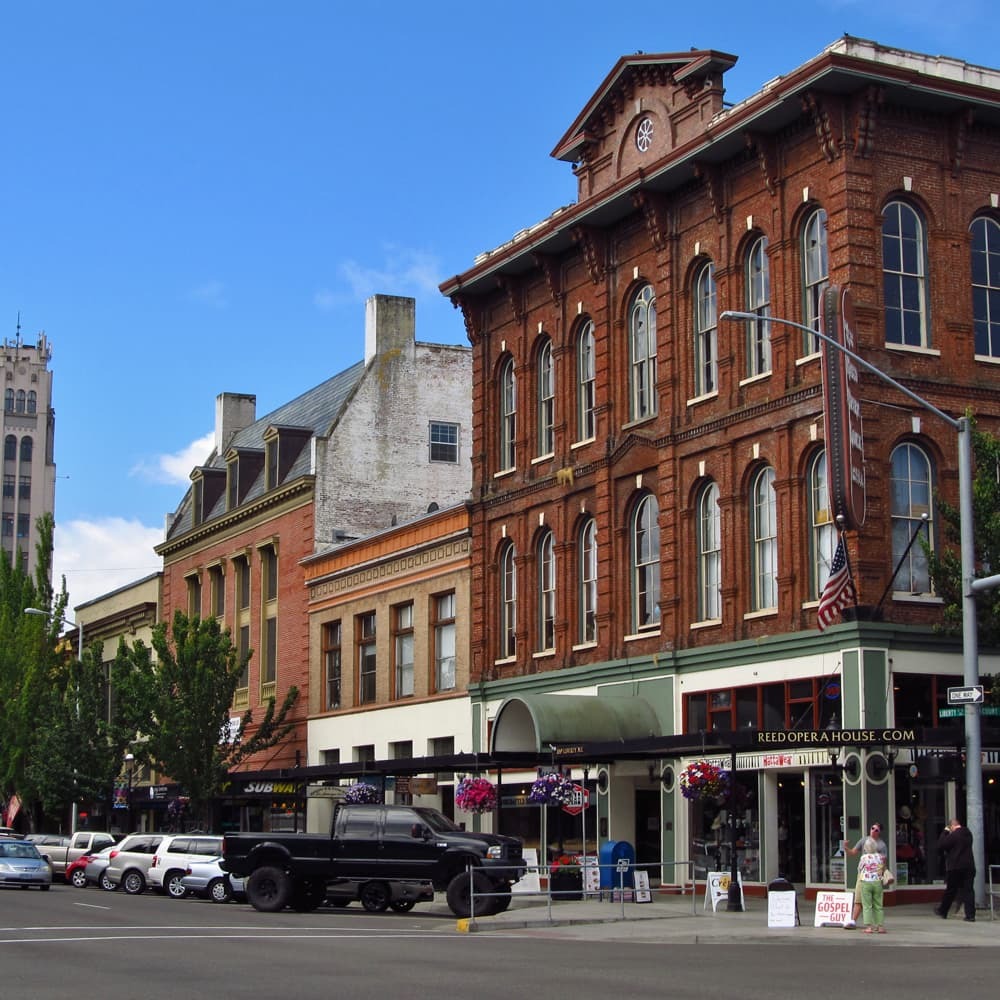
840, 760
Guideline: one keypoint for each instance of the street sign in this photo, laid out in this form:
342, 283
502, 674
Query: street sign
957, 713
578, 801
972, 695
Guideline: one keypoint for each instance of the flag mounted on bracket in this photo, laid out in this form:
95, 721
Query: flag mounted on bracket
838, 592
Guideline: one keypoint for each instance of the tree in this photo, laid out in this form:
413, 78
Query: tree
946, 565
185, 693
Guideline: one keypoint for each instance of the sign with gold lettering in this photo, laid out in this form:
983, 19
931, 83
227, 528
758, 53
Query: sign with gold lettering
773, 739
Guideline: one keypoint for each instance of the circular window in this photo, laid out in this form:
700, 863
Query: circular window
644, 135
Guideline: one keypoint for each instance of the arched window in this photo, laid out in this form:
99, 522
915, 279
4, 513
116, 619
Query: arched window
546, 561
26, 449
706, 364
709, 554
8, 401
585, 383
822, 531
764, 540
546, 400
21, 398
646, 565
911, 489
32, 401
508, 602
642, 354
758, 279
9, 448
815, 274
986, 286
588, 581
904, 276
507, 388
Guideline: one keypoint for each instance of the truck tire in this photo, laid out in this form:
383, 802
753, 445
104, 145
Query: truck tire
308, 896
375, 896
268, 889
403, 905
502, 901
460, 892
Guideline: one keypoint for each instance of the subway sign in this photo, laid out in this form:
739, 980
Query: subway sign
834, 737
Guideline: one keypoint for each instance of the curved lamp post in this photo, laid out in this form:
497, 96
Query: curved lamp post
79, 655
970, 640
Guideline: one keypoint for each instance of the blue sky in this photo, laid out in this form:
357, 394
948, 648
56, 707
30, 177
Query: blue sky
198, 196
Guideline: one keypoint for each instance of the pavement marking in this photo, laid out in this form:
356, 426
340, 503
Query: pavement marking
263, 933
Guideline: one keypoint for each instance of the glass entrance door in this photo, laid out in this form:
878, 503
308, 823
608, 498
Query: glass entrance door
791, 826
826, 855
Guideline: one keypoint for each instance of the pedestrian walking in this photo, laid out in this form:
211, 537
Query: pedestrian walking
960, 870
875, 833
871, 865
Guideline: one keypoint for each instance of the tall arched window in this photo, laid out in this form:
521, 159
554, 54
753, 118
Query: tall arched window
911, 490
815, 274
21, 400
10, 448
585, 383
8, 401
758, 279
27, 447
764, 540
642, 354
588, 581
508, 602
646, 565
904, 276
822, 531
706, 364
32, 401
546, 560
546, 400
986, 286
709, 554
507, 391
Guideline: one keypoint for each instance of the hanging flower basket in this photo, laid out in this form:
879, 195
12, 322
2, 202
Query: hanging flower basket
702, 780
476, 795
362, 793
552, 789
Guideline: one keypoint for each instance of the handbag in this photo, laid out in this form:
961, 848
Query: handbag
887, 877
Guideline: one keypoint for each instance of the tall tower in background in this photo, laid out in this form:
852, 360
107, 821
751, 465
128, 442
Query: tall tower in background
29, 471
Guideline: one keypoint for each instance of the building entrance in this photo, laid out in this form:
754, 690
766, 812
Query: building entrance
792, 826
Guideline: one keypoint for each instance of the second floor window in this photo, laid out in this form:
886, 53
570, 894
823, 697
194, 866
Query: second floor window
217, 583
404, 650
366, 658
508, 602
904, 276
194, 596
332, 663
546, 401
646, 565
444, 642
758, 279
911, 490
815, 275
642, 354
823, 533
709, 555
585, 383
443, 442
508, 414
588, 582
986, 286
764, 542
546, 592
706, 361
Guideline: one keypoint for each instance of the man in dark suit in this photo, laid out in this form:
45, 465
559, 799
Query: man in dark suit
960, 870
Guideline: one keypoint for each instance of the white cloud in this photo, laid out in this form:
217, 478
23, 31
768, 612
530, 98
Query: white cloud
175, 469
211, 293
97, 557
405, 271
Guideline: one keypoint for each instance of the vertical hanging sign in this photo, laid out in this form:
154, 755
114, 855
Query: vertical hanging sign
845, 450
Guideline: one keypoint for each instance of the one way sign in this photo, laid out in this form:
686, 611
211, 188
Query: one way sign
972, 695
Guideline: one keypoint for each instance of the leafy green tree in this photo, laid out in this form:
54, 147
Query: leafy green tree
946, 564
186, 692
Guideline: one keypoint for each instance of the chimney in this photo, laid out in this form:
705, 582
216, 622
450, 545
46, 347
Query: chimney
390, 323
233, 412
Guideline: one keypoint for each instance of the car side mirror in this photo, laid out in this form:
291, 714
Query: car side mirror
418, 831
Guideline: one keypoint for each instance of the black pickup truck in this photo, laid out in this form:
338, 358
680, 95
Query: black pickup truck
380, 849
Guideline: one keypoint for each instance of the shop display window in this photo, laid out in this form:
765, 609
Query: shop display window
712, 835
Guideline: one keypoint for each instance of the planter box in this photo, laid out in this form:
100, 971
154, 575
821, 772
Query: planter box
566, 884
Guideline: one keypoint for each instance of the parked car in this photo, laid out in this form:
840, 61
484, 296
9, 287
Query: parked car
22, 865
76, 870
172, 857
42, 840
95, 872
82, 842
206, 879
129, 861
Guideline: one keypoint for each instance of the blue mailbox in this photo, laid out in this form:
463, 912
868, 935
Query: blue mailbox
614, 854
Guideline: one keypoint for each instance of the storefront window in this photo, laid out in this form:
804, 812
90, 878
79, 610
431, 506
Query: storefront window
827, 864
920, 817
712, 835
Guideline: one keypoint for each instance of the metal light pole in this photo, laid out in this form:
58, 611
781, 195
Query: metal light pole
74, 813
130, 761
970, 640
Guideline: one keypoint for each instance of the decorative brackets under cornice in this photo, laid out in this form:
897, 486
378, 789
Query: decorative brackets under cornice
549, 266
960, 126
654, 208
864, 132
767, 158
472, 318
821, 120
514, 291
594, 244
711, 176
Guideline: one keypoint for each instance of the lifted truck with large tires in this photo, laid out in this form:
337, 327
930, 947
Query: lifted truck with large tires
385, 851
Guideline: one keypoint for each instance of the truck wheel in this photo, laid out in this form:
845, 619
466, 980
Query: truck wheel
502, 901
308, 896
460, 892
375, 897
403, 905
269, 889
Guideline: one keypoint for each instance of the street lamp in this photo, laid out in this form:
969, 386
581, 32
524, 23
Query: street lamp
130, 761
79, 655
970, 639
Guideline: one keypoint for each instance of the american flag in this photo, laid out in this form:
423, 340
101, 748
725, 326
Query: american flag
838, 592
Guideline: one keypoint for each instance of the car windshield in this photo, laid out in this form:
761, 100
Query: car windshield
19, 851
436, 821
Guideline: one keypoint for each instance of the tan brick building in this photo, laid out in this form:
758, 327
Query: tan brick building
651, 517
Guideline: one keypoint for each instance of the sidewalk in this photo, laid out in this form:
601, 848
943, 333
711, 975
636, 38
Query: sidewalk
671, 919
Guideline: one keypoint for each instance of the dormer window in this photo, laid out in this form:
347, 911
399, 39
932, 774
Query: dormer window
271, 463
232, 484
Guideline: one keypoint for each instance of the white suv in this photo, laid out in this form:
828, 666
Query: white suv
175, 853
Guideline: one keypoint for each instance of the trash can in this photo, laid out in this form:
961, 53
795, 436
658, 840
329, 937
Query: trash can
611, 853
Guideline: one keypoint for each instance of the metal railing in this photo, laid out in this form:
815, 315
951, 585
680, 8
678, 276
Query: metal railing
993, 873
622, 885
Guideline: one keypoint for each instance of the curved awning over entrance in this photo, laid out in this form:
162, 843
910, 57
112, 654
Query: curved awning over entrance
531, 723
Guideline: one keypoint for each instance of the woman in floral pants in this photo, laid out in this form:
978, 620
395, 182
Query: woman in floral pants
870, 868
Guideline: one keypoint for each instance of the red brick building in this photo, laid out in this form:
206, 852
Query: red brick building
652, 520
